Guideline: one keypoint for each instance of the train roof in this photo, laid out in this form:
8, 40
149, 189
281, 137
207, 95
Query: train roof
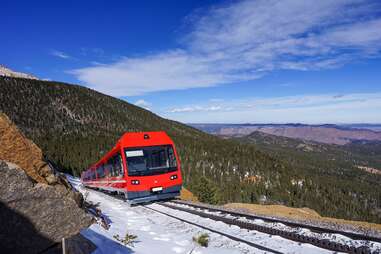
137, 139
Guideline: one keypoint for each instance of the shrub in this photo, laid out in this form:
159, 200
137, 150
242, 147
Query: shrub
129, 239
202, 239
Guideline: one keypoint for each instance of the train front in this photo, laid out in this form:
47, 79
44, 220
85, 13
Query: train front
153, 167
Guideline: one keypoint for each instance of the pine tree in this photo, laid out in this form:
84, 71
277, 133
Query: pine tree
206, 191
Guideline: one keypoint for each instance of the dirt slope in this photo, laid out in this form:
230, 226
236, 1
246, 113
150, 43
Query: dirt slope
16, 148
185, 194
303, 214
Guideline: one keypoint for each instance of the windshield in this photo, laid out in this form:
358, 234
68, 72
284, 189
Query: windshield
150, 160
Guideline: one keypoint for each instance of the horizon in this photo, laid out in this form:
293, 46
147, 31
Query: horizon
208, 61
319, 124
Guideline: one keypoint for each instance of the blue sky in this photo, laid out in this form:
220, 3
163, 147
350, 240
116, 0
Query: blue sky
260, 61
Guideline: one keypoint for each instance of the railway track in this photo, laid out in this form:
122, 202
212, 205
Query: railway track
233, 218
258, 246
352, 235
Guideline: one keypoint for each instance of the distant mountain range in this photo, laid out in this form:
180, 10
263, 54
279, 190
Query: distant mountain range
326, 133
374, 127
4, 71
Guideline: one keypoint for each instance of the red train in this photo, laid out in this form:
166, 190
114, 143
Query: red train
143, 166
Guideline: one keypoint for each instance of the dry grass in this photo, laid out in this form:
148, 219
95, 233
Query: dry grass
185, 194
299, 214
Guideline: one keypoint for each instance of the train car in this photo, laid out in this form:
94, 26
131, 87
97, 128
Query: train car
142, 166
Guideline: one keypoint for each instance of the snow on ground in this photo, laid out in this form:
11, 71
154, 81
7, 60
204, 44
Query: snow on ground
374, 246
270, 241
158, 233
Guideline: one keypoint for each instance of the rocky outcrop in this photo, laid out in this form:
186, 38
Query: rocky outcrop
4, 71
37, 207
16, 148
35, 216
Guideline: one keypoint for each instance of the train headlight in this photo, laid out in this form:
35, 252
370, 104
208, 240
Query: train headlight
135, 182
173, 177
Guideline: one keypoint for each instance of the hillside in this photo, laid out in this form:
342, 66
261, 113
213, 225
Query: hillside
74, 125
328, 133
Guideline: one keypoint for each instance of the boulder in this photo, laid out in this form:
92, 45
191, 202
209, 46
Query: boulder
35, 216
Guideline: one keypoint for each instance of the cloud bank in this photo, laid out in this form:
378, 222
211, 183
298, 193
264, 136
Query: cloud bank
323, 108
245, 40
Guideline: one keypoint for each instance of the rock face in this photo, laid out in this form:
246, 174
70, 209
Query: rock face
35, 216
16, 148
37, 208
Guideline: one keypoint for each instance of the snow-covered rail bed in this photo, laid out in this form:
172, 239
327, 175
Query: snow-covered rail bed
258, 246
323, 238
156, 233
274, 244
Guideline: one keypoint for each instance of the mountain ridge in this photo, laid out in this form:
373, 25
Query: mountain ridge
323, 133
6, 72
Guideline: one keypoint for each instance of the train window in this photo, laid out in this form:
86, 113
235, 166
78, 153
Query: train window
108, 168
117, 166
101, 171
171, 156
120, 163
151, 160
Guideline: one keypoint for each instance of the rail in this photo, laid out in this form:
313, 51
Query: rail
258, 246
321, 243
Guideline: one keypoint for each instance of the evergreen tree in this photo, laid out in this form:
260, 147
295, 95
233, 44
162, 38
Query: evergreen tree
206, 191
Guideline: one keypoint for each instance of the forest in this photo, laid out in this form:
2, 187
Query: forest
75, 126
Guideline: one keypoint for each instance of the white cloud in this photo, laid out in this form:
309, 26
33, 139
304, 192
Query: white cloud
166, 71
323, 108
143, 104
60, 54
195, 108
245, 40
